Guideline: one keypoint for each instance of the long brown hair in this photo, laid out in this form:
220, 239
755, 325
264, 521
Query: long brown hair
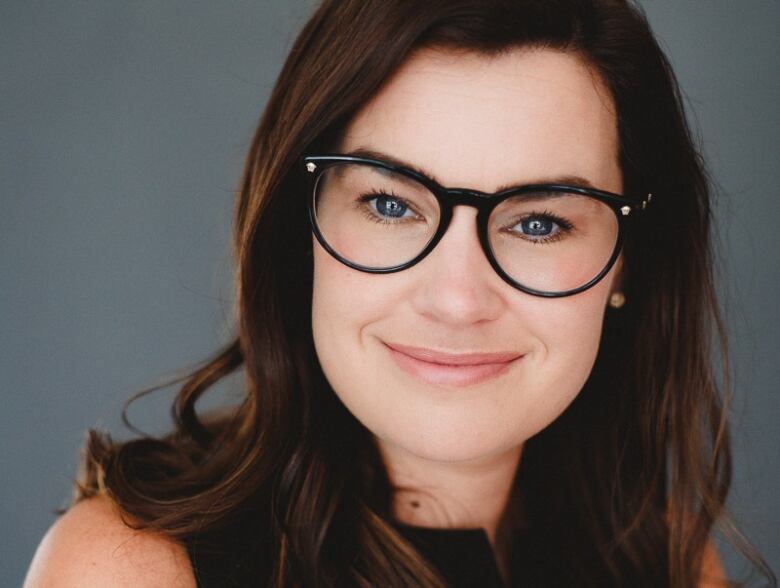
623, 488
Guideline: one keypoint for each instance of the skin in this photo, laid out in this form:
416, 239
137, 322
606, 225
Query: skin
477, 122
472, 122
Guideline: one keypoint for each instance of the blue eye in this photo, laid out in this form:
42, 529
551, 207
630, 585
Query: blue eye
537, 226
541, 228
392, 207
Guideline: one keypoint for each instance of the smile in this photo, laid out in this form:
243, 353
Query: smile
449, 369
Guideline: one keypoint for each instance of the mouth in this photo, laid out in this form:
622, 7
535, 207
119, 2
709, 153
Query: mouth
451, 369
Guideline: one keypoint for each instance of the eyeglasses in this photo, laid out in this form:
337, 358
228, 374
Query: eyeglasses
548, 240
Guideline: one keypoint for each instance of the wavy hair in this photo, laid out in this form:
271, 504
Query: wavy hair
624, 487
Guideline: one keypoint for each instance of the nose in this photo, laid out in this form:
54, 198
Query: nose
457, 284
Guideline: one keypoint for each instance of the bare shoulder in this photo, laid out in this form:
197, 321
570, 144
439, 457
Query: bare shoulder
90, 545
712, 573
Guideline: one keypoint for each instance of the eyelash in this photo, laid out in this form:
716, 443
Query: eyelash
364, 199
564, 226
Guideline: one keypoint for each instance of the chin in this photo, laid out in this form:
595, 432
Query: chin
455, 444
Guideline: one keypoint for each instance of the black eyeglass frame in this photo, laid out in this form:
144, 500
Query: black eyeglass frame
448, 198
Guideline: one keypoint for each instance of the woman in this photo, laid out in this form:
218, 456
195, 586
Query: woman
475, 309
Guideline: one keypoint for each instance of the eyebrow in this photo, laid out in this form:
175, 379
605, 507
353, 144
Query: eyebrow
387, 158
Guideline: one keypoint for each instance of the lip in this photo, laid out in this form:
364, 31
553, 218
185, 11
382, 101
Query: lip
451, 369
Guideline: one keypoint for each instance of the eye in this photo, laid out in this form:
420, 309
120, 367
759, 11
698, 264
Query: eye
537, 226
541, 227
390, 206
385, 208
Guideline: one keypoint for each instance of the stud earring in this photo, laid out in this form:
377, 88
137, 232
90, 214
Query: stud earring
617, 299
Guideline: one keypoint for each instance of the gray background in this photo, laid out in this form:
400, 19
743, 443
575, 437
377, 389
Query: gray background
123, 127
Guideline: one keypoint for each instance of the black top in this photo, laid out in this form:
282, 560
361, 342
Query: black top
463, 557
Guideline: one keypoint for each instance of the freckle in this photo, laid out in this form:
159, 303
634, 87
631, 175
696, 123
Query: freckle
415, 504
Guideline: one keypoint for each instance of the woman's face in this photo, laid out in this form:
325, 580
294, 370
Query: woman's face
475, 122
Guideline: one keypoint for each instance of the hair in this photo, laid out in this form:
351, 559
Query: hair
624, 488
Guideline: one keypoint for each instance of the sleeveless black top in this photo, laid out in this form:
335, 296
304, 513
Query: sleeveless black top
463, 557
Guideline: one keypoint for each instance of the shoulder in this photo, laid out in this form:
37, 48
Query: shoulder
712, 572
90, 545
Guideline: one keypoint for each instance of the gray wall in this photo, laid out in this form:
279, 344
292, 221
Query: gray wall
122, 131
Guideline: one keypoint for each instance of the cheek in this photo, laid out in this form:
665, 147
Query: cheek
344, 301
330, 319
565, 334
568, 333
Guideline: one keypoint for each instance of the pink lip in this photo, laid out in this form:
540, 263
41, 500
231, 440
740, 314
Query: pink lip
451, 369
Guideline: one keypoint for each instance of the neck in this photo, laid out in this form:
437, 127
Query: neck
465, 494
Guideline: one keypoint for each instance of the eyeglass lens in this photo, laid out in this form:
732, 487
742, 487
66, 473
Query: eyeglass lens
549, 241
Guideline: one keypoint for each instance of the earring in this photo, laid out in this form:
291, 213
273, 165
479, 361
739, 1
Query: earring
617, 299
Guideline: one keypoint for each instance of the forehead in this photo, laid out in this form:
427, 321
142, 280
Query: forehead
481, 122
